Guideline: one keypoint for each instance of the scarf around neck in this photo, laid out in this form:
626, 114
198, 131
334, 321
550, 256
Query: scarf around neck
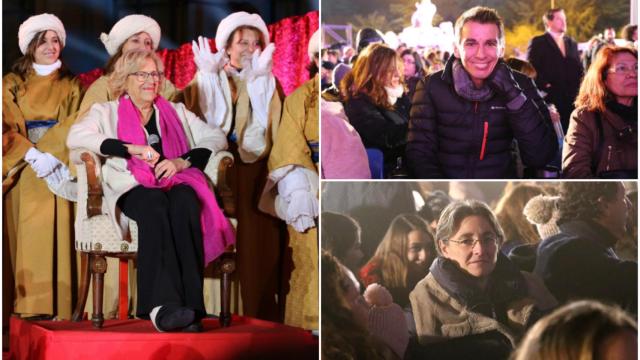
44, 70
505, 285
217, 233
465, 87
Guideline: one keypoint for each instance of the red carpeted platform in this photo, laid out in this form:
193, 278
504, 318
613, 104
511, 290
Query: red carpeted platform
247, 338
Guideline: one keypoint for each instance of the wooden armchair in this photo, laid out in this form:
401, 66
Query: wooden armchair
97, 237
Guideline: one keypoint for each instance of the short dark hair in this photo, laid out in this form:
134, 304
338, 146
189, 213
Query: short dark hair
482, 15
548, 16
579, 200
550, 13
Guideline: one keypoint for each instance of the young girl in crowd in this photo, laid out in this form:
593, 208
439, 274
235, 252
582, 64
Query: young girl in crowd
402, 258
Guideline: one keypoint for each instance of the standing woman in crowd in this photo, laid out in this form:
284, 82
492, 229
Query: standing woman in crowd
375, 103
245, 101
40, 100
402, 258
602, 139
472, 289
413, 70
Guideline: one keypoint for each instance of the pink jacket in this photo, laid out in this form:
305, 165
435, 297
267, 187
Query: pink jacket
342, 151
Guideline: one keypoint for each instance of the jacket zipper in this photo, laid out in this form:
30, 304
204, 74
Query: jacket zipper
609, 158
485, 134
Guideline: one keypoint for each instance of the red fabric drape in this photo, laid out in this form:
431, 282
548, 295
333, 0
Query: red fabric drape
247, 338
290, 60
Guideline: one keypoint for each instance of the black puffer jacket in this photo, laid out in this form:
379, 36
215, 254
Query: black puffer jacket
380, 128
452, 137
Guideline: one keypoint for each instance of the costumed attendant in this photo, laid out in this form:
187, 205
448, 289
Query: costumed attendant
129, 33
292, 191
246, 102
180, 226
40, 100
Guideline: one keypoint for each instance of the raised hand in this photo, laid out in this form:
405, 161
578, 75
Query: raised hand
204, 59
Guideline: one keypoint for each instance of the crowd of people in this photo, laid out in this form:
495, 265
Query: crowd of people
541, 273
479, 113
155, 143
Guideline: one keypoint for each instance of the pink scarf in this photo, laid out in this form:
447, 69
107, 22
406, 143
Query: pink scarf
217, 233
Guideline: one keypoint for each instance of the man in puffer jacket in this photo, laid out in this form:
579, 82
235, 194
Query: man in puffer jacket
464, 119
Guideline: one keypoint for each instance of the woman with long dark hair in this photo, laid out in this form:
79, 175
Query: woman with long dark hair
40, 100
375, 103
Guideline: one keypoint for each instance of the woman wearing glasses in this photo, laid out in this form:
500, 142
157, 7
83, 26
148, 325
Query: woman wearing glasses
161, 187
473, 294
602, 139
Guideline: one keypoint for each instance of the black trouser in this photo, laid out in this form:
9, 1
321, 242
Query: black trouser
170, 251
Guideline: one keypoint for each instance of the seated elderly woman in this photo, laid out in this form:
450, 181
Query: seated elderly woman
155, 153
473, 291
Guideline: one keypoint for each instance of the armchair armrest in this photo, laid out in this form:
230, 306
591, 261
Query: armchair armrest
88, 165
216, 170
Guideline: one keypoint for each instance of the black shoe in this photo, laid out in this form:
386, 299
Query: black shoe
173, 317
195, 327
43, 317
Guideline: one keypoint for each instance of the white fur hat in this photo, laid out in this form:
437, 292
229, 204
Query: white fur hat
37, 23
235, 20
128, 26
314, 44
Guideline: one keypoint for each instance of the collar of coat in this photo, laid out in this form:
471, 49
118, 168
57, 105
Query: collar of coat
454, 319
588, 230
506, 284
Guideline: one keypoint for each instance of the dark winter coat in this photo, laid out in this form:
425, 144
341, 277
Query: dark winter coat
452, 137
579, 263
380, 128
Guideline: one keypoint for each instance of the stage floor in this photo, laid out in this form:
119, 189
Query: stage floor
246, 338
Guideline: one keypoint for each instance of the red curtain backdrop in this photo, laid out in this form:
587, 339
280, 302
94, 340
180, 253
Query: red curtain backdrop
290, 60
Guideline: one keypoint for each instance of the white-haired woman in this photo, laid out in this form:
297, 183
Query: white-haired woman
40, 100
246, 102
162, 188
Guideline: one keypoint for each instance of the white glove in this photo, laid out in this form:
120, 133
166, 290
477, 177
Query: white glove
303, 208
261, 62
302, 203
61, 183
205, 60
43, 163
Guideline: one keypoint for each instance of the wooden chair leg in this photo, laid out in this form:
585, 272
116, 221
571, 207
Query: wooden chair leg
84, 287
98, 268
228, 266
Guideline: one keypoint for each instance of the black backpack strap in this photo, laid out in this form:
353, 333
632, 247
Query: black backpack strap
599, 146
